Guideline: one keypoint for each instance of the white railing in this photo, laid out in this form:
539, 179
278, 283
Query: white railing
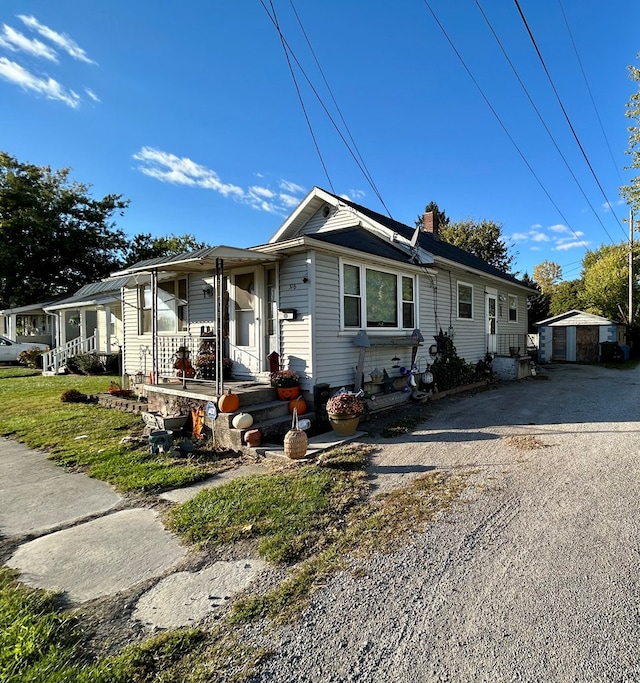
57, 358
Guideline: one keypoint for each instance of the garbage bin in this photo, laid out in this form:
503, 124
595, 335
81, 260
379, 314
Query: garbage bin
610, 352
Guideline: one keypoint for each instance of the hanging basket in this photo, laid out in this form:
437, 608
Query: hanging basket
295, 440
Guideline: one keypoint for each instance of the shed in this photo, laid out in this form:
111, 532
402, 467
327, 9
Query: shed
576, 336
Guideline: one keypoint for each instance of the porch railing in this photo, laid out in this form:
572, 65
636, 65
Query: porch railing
511, 344
57, 358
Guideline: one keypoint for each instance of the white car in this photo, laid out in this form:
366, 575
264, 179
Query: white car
10, 350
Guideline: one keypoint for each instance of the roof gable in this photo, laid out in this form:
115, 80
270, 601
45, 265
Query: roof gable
576, 317
366, 220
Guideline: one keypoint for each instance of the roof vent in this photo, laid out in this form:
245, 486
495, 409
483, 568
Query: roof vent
326, 210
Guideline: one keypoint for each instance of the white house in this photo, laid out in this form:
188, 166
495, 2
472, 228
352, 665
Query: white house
333, 269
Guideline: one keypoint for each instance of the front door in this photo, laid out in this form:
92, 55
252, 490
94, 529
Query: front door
492, 336
244, 340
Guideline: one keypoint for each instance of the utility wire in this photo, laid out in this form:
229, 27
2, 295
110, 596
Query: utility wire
368, 175
274, 19
537, 111
586, 82
322, 104
504, 128
566, 116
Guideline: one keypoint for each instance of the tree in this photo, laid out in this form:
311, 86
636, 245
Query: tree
565, 296
546, 274
483, 239
143, 246
537, 304
605, 281
54, 237
631, 192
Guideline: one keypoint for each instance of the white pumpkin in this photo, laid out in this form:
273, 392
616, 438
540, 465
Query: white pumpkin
242, 421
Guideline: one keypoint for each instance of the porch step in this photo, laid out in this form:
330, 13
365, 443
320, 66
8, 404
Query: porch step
260, 411
270, 418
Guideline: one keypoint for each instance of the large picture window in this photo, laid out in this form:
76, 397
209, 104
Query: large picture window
379, 298
465, 301
172, 306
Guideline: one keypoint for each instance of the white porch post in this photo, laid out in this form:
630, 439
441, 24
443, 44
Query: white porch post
154, 326
219, 326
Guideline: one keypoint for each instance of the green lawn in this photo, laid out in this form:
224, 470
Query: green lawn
86, 436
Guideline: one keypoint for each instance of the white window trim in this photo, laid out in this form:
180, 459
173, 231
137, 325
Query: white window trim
362, 267
509, 309
473, 308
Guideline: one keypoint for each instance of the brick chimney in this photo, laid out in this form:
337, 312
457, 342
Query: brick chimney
430, 223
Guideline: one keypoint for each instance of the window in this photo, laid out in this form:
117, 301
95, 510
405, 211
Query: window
381, 298
172, 306
465, 301
513, 309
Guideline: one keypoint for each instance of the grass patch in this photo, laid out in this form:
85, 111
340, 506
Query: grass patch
86, 436
380, 525
289, 512
39, 643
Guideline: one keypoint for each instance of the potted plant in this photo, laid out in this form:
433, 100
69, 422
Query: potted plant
344, 411
206, 364
286, 383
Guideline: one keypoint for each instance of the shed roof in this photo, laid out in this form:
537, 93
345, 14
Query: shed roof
575, 317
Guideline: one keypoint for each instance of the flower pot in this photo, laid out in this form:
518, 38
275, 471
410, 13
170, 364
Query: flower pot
288, 393
344, 425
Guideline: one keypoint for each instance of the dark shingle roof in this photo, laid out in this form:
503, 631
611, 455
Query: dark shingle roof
434, 246
362, 240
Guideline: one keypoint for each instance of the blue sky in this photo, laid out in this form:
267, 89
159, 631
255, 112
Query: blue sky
190, 111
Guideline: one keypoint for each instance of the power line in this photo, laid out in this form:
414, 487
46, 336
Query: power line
274, 19
586, 82
566, 116
368, 175
504, 128
289, 51
540, 117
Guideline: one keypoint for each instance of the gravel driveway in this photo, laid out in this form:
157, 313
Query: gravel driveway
533, 577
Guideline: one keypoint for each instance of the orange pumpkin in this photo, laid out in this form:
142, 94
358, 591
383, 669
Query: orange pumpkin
229, 402
298, 404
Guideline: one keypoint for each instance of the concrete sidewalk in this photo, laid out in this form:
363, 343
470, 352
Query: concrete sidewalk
74, 536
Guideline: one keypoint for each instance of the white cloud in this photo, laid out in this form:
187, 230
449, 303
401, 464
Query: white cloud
288, 200
92, 95
560, 228
15, 41
61, 40
564, 246
169, 168
50, 88
357, 194
262, 192
291, 188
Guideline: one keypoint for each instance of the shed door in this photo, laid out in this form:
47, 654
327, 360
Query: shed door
559, 343
587, 343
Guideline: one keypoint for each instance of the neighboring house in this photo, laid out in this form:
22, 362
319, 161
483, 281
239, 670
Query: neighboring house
30, 324
89, 321
332, 269
576, 336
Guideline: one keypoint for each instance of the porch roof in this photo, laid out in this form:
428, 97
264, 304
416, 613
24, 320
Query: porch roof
199, 261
